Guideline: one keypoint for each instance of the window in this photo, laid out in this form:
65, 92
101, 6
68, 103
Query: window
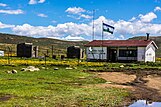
128, 53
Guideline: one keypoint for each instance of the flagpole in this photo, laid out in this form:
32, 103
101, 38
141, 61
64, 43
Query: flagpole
93, 24
102, 40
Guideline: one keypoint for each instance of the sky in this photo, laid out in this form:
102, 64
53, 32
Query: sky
73, 19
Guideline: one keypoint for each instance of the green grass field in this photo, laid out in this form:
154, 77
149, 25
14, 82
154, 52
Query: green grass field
55, 88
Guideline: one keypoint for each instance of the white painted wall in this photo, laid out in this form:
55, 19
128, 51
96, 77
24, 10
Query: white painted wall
1, 53
141, 53
150, 53
96, 53
127, 58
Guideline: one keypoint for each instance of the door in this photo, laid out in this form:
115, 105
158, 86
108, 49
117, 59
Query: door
113, 55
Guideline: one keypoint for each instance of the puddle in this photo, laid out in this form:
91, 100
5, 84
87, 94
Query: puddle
144, 103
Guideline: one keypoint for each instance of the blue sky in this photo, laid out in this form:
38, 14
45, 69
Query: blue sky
72, 19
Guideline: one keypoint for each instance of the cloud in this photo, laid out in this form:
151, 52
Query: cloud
157, 9
77, 13
74, 38
132, 19
75, 10
148, 17
3, 26
122, 37
54, 21
42, 15
122, 29
3, 5
15, 12
41, 1
36, 1
61, 30
85, 16
32, 2
137, 25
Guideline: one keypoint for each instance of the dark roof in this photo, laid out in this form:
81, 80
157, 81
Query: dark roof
116, 43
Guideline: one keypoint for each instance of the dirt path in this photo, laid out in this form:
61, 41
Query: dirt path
146, 86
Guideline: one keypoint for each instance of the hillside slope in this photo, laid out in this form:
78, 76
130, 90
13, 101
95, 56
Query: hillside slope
43, 43
59, 45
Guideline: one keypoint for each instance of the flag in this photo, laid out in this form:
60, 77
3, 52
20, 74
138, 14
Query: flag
108, 28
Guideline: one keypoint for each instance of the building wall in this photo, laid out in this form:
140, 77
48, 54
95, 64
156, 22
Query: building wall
150, 53
145, 54
141, 54
1, 53
95, 53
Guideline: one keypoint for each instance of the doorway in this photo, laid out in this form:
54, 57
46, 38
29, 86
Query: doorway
113, 55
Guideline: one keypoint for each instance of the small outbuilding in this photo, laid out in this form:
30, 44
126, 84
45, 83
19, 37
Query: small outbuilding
121, 50
27, 50
74, 52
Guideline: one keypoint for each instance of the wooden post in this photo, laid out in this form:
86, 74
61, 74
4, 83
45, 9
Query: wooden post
45, 60
52, 48
102, 40
8, 54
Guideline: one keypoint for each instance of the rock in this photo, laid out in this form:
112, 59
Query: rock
56, 68
23, 69
9, 72
43, 67
82, 77
68, 68
74, 67
30, 68
77, 83
108, 82
14, 71
99, 73
121, 66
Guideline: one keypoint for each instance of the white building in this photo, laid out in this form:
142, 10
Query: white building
121, 50
1, 53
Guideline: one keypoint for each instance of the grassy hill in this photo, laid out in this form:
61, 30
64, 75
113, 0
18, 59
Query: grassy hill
9, 40
156, 39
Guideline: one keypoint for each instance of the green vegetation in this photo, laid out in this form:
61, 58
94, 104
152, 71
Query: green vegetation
55, 88
62, 87
43, 43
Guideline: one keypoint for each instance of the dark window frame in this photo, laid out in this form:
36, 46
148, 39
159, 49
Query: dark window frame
127, 53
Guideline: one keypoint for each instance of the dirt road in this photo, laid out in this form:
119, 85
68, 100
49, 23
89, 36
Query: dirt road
145, 85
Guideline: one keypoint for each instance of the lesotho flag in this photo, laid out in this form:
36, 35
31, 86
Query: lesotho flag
108, 28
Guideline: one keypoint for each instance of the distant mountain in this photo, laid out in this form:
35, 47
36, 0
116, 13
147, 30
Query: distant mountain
43, 43
59, 45
156, 39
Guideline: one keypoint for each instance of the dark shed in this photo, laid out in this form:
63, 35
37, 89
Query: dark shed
27, 50
74, 52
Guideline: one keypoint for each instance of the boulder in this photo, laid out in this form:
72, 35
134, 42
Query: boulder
30, 68
56, 68
68, 68
43, 67
121, 66
9, 72
23, 69
14, 71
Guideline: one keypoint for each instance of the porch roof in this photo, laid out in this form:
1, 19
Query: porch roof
118, 43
